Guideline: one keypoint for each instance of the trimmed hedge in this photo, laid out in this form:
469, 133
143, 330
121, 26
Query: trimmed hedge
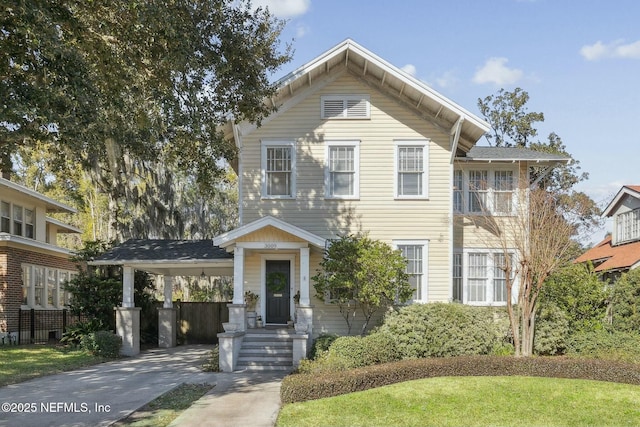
102, 343
303, 387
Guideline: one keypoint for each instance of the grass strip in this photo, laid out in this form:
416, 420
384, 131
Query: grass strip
165, 408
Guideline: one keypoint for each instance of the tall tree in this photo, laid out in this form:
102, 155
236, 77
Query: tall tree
118, 83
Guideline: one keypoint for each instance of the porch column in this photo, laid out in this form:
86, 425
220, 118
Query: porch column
128, 316
304, 277
167, 317
237, 307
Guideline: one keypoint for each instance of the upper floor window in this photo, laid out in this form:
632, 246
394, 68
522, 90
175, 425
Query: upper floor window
345, 107
342, 169
484, 191
278, 169
411, 169
16, 219
628, 226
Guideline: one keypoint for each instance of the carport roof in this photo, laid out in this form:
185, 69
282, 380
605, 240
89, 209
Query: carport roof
178, 257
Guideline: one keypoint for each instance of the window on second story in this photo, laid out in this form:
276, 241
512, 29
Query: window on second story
17, 220
5, 217
628, 226
411, 169
342, 169
278, 169
481, 191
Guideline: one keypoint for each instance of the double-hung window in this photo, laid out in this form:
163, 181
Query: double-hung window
342, 169
16, 219
503, 192
628, 226
411, 169
478, 189
480, 277
5, 217
278, 169
415, 253
458, 191
45, 287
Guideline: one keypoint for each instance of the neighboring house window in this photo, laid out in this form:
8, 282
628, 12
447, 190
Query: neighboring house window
411, 169
342, 169
486, 281
458, 191
5, 217
43, 287
17, 220
345, 107
457, 277
628, 226
278, 169
416, 254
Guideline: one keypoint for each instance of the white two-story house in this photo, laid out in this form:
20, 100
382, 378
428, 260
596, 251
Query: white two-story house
619, 251
33, 268
359, 146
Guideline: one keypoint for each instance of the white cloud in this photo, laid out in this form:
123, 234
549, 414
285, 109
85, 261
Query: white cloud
410, 69
615, 49
495, 71
447, 80
284, 8
301, 31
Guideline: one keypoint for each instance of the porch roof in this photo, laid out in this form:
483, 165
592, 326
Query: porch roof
170, 257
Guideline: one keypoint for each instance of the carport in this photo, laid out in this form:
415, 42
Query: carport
165, 258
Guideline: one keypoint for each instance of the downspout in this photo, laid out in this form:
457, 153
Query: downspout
238, 140
455, 138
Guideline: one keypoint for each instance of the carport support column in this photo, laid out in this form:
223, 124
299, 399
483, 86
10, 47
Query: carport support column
167, 317
128, 316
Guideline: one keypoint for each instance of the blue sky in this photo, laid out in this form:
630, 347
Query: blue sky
578, 60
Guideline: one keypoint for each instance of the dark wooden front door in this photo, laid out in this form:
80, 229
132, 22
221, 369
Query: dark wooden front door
278, 281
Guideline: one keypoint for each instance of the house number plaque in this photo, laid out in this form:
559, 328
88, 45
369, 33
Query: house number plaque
271, 246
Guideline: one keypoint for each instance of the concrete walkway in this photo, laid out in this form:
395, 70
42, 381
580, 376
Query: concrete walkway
102, 394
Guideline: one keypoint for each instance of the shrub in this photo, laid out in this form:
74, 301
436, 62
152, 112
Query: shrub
603, 344
552, 331
213, 361
102, 343
303, 387
74, 333
625, 302
321, 345
436, 330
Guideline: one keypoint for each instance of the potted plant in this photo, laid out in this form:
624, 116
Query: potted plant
296, 298
251, 299
259, 322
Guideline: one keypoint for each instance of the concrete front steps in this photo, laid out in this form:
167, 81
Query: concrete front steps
267, 349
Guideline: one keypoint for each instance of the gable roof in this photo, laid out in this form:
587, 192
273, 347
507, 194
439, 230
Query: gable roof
229, 238
620, 257
416, 95
52, 205
511, 154
626, 190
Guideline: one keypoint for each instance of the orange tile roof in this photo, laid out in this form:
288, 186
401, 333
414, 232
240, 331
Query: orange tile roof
616, 257
634, 187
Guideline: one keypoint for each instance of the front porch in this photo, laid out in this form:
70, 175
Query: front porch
267, 257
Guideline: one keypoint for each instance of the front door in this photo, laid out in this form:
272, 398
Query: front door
277, 290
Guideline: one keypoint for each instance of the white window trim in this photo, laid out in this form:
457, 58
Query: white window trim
424, 143
24, 222
489, 301
627, 226
263, 167
45, 289
490, 209
345, 98
424, 286
356, 154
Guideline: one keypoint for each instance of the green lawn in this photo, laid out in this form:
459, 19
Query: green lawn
20, 363
475, 401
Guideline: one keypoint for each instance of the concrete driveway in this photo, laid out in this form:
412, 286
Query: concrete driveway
102, 394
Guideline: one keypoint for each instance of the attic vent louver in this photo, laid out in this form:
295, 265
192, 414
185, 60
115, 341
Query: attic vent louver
345, 107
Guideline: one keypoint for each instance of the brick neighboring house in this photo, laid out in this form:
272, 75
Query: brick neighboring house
619, 252
33, 268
